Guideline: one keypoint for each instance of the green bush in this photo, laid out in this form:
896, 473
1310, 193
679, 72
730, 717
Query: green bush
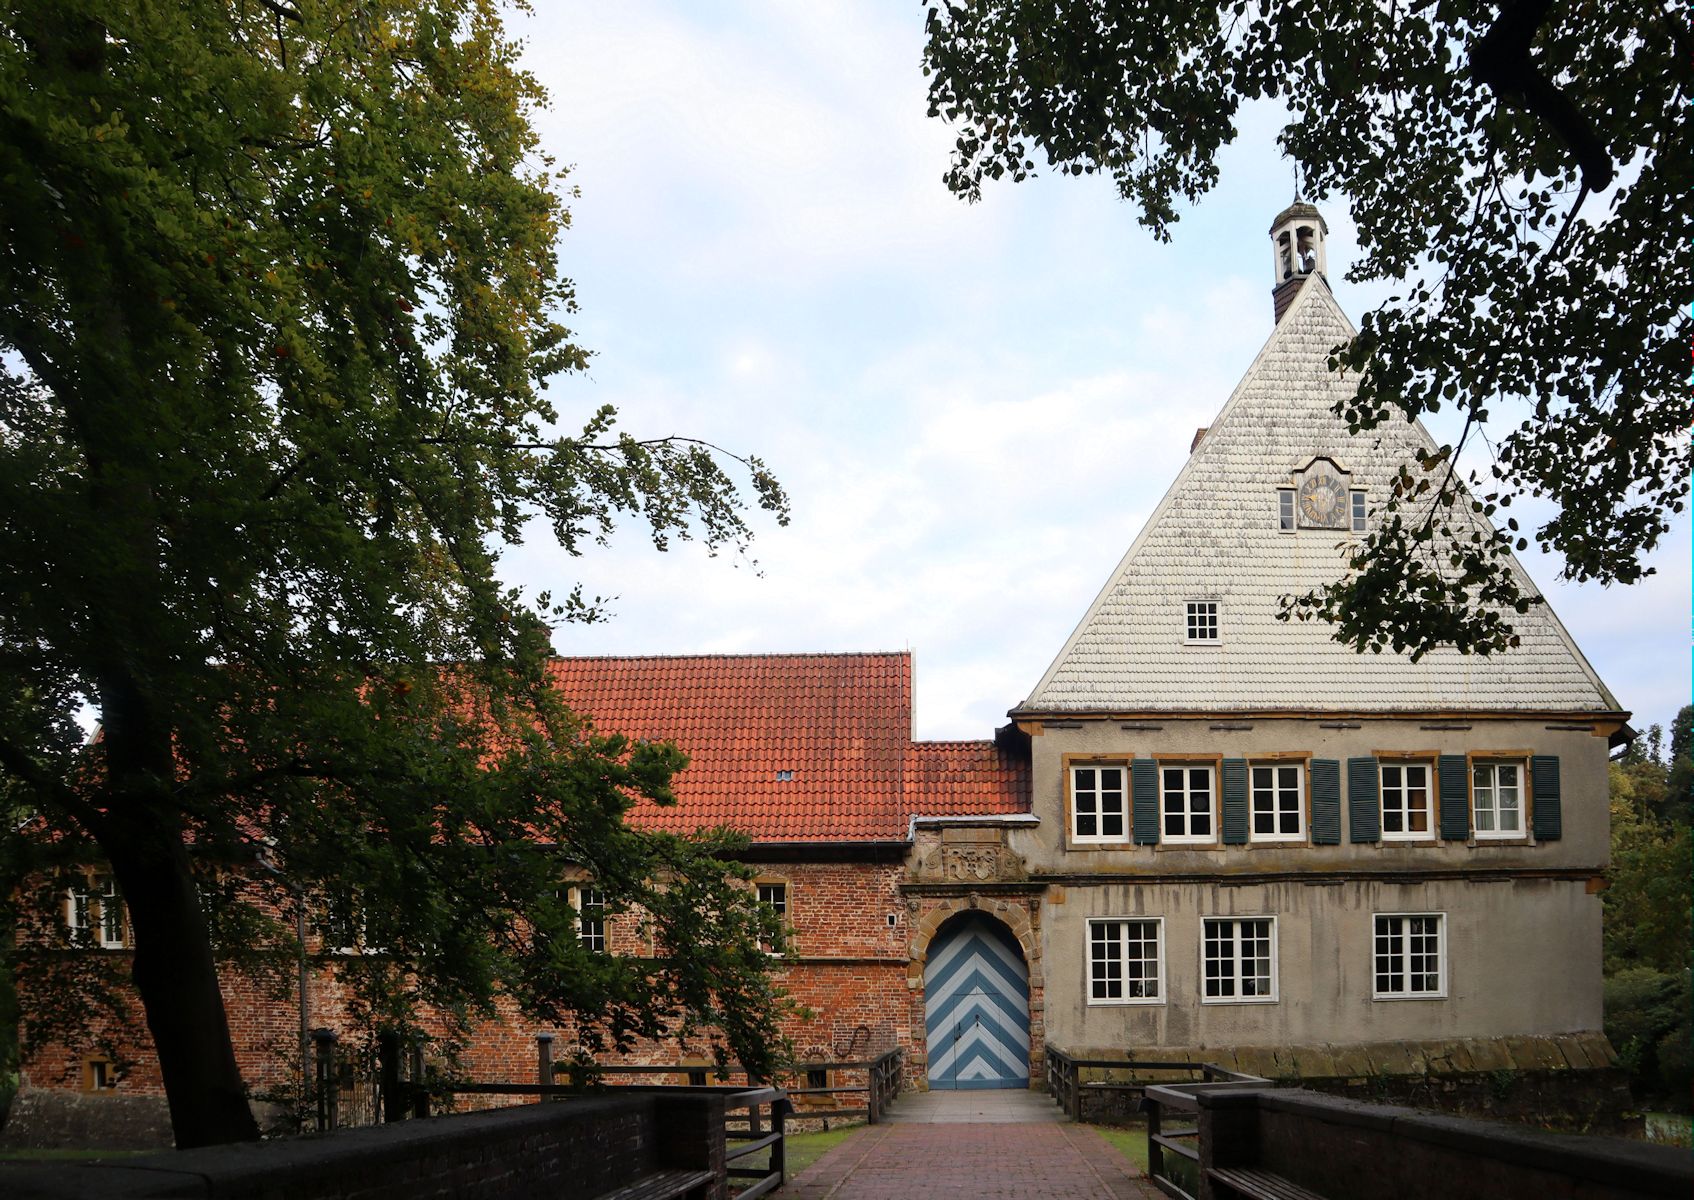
1648, 1021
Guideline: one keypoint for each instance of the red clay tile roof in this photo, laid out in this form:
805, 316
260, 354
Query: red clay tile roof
791, 747
946, 779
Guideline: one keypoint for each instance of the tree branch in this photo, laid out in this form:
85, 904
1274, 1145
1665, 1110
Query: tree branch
16, 761
283, 10
1501, 60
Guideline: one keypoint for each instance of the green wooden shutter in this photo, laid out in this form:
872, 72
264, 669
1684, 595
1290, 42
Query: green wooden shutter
1364, 804
1548, 820
1455, 797
1144, 797
1234, 801
1326, 802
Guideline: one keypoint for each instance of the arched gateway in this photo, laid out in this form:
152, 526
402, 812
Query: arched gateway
976, 1006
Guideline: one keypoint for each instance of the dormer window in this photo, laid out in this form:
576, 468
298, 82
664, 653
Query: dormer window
1202, 622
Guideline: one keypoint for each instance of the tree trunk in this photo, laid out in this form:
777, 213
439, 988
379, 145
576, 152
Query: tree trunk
178, 982
175, 973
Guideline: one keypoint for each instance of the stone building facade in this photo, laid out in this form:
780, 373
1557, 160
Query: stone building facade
1206, 832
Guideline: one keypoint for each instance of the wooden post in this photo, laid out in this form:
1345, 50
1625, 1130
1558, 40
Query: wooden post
1155, 1152
874, 1078
420, 1091
544, 1060
388, 1075
328, 1087
779, 1148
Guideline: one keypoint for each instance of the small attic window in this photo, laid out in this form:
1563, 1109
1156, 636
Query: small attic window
1285, 509
1358, 511
1202, 622
785, 775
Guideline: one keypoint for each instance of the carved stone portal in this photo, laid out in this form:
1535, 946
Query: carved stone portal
957, 860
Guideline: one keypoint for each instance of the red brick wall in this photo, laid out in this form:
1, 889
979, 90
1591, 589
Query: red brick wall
850, 971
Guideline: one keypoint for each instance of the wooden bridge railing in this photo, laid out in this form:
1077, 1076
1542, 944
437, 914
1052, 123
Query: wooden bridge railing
882, 1079
1173, 1152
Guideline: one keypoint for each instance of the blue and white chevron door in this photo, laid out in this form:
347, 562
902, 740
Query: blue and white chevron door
976, 1007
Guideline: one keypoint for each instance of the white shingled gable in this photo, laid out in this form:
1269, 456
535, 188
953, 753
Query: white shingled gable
1214, 536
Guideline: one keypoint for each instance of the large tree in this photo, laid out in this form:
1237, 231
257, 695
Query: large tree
278, 302
1518, 170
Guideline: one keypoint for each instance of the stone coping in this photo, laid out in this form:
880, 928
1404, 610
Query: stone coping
246, 1167
1653, 1170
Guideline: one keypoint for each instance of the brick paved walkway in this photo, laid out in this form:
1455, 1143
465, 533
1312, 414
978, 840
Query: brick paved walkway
932, 1161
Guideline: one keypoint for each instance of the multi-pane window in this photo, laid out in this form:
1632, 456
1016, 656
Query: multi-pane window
1496, 790
1202, 618
1285, 510
1357, 511
591, 917
1279, 802
1185, 803
1126, 962
1407, 804
95, 913
1240, 959
1098, 811
1409, 955
775, 895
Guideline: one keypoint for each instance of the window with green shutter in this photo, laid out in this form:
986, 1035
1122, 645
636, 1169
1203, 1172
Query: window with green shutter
1455, 797
1364, 808
1326, 802
1234, 822
1144, 797
1547, 819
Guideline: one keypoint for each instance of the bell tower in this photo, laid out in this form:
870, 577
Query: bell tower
1297, 247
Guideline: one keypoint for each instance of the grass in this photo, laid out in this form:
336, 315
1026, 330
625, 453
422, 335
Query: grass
1128, 1140
804, 1149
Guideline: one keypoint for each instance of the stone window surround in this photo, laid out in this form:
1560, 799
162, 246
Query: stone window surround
94, 912
1526, 798
1431, 806
1073, 763
1212, 764
1301, 759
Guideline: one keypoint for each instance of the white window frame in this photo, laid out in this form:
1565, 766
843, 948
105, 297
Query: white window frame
1287, 515
777, 888
1401, 935
1235, 958
1407, 834
1159, 979
1099, 837
94, 913
1357, 512
1277, 766
1188, 836
1202, 615
1492, 766
590, 931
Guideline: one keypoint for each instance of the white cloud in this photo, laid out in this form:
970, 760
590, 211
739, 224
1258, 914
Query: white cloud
973, 407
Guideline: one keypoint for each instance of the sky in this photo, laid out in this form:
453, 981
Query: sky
973, 408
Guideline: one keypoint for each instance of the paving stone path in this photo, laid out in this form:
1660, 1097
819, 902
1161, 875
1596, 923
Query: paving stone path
959, 1146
